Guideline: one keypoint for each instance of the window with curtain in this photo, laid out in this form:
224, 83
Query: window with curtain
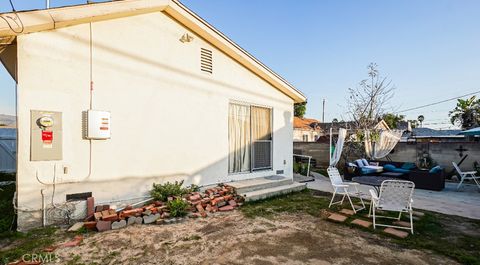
261, 137
250, 138
239, 138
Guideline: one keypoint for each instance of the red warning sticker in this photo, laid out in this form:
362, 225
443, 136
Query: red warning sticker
47, 137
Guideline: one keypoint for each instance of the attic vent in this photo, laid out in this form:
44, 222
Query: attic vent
206, 63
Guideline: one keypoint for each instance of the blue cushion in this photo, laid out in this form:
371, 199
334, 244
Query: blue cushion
365, 162
435, 170
359, 163
401, 170
389, 167
366, 171
408, 166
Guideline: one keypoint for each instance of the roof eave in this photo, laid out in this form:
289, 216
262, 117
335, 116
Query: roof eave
48, 19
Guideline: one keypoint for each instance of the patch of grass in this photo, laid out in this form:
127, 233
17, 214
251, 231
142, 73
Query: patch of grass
436, 232
32, 242
7, 176
6, 207
76, 260
298, 202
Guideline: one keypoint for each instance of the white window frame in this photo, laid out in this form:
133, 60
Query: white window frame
251, 142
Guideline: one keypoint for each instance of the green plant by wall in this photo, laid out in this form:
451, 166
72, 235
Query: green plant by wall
300, 168
177, 207
162, 191
296, 167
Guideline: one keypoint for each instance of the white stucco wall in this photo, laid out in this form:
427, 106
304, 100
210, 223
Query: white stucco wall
299, 133
169, 119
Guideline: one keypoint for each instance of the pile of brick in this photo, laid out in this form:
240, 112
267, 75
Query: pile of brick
102, 217
222, 198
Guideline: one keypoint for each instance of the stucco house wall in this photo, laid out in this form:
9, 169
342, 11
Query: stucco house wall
299, 133
169, 119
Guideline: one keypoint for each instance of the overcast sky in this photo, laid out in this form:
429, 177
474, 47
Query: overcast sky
429, 49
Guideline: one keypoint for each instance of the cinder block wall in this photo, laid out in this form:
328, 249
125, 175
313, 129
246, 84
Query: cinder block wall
442, 153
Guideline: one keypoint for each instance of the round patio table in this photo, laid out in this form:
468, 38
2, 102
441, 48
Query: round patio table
374, 181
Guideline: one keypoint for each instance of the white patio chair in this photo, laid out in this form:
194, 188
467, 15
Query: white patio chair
395, 196
342, 188
466, 175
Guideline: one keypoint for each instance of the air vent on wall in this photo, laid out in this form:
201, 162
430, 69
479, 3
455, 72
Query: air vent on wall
206, 63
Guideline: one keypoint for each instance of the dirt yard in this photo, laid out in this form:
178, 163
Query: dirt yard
231, 238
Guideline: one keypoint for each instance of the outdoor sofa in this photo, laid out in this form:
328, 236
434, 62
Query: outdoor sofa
428, 179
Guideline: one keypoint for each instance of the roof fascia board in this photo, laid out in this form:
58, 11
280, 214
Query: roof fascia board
54, 18
48, 19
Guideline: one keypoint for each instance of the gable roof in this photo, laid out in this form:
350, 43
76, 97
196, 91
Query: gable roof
427, 132
306, 124
24, 22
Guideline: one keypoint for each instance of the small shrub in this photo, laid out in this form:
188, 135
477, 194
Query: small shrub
300, 168
193, 188
296, 167
162, 191
177, 207
304, 169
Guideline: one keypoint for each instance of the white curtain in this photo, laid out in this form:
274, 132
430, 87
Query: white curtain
386, 142
336, 154
239, 138
261, 123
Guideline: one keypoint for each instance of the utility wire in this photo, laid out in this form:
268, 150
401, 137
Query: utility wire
439, 102
18, 23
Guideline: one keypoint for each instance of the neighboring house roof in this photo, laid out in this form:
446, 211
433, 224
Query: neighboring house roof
48, 19
305, 124
382, 125
335, 125
427, 132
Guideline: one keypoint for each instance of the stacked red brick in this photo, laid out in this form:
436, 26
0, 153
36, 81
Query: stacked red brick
102, 218
221, 198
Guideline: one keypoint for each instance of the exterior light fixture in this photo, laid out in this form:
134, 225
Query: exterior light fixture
186, 38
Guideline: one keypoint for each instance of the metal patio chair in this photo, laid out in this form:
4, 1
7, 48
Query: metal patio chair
342, 188
395, 196
466, 175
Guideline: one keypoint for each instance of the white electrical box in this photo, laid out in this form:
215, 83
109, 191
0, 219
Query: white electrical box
98, 125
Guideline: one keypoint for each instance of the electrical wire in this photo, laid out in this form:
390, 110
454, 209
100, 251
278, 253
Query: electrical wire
438, 102
19, 24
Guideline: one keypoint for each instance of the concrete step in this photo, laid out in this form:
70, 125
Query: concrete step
248, 185
273, 191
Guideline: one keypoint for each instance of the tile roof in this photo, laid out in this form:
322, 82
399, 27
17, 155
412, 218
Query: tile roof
305, 123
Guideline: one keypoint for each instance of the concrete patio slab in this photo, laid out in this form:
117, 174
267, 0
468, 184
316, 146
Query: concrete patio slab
464, 202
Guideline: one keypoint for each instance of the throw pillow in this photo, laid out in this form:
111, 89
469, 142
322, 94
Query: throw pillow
365, 162
389, 167
359, 163
435, 170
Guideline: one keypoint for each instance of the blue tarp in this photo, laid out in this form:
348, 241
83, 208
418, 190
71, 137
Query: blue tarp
474, 131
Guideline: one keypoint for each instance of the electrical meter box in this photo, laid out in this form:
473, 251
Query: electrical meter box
98, 125
45, 135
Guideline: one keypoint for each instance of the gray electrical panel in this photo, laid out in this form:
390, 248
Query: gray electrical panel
46, 135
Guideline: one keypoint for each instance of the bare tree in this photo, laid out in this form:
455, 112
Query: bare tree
366, 107
366, 102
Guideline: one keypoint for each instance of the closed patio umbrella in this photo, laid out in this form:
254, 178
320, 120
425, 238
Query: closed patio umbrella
474, 131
